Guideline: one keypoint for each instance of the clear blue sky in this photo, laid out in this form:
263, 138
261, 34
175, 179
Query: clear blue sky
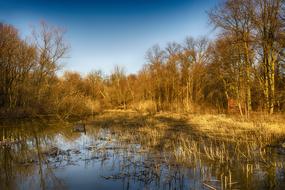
103, 33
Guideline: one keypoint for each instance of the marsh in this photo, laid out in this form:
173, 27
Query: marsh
129, 150
142, 94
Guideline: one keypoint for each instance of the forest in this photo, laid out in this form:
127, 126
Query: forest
241, 71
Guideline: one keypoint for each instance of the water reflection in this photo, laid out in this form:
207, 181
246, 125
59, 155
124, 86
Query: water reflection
37, 155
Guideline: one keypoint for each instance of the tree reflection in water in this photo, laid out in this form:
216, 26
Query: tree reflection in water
51, 156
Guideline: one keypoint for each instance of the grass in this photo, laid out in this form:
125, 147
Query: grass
194, 140
223, 126
219, 138
222, 146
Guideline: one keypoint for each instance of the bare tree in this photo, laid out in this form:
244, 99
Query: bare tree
267, 22
234, 18
51, 49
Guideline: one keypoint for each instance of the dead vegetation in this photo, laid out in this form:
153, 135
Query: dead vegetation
217, 137
220, 151
202, 141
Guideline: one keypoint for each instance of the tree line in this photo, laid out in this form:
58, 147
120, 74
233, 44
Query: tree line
242, 70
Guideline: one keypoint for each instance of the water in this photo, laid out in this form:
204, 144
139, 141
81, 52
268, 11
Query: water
48, 155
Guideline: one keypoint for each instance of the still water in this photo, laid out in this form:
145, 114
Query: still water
49, 155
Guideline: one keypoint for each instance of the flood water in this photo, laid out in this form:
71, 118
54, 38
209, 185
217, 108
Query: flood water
49, 155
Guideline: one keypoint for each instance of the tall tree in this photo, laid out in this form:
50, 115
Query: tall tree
16, 62
51, 49
234, 18
268, 24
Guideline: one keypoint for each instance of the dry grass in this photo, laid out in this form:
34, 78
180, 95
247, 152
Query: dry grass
208, 144
201, 141
228, 127
229, 145
218, 138
147, 106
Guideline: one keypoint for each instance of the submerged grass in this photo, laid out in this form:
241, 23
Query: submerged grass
218, 141
188, 138
217, 151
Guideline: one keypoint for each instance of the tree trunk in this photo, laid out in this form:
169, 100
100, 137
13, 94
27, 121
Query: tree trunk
248, 87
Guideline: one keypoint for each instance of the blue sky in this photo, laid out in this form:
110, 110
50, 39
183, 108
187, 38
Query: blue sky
104, 33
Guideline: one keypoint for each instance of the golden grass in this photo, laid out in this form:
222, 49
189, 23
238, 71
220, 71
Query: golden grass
225, 119
190, 138
202, 142
229, 127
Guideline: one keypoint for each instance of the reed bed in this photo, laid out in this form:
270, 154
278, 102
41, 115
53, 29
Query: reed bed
198, 140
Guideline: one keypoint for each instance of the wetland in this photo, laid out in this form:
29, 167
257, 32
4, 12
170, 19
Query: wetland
129, 150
